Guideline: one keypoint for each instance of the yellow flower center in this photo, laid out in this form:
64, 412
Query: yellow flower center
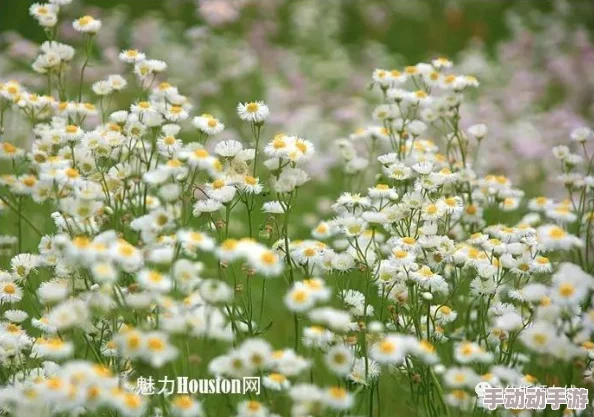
10, 289
557, 233
81, 242
54, 383
72, 173
540, 339
174, 163
133, 342
13, 328
277, 378
451, 202
467, 349
400, 254
254, 406
427, 346
460, 378
301, 146
184, 402
459, 394
126, 250
93, 392
9, 147
196, 237
309, 252
217, 184
201, 153
322, 228
85, 20
155, 276
252, 107
566, 290
156, 344
269, 258
132, 400
337, 392
315, 284
55, 343
471, 209
300, 296
229, 244
279, 143
387, 347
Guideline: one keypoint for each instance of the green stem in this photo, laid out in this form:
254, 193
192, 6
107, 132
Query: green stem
21, 216
88, 47
296, 325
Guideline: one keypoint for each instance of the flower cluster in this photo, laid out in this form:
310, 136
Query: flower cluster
170, 251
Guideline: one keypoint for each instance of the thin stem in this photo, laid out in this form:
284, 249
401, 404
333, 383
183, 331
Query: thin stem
88, 47
20, 225
261, 303
21, 215
256, 133
296, 330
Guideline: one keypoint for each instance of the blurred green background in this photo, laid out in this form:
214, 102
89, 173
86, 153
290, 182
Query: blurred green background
443, 26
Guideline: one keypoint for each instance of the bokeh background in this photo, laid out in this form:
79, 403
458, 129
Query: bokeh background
408, 28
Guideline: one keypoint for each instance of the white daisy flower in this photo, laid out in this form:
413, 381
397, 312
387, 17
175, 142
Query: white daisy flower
255, 111
87, 24
131, 56
228, 148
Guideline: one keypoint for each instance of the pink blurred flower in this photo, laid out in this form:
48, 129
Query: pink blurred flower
19, 48
218, 12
